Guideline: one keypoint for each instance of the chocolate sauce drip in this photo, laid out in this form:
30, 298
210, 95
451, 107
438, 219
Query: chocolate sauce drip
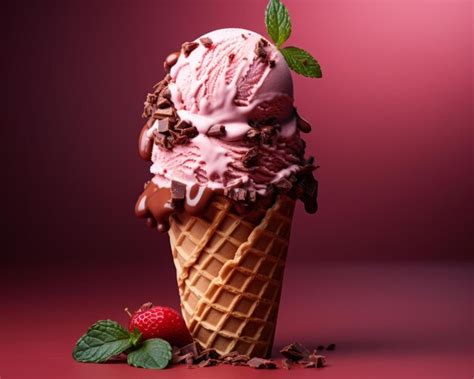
156, 204
145, 144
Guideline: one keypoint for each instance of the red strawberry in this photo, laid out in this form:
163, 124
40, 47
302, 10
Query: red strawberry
160, 322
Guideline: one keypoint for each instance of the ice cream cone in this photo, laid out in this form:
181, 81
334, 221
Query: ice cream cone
230, 271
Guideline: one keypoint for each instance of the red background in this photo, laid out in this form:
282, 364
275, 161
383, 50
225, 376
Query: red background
392, 132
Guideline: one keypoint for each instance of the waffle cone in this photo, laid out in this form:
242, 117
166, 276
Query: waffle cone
230, 271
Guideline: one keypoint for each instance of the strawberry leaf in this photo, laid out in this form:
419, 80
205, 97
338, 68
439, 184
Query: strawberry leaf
302, 62
277, 21
155, 353
102, 341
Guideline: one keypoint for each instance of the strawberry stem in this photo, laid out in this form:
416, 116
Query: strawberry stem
128, 312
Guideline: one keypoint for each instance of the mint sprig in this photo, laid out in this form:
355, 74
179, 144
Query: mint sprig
102, 341
301, 62
155, 353
278, 23
107, 339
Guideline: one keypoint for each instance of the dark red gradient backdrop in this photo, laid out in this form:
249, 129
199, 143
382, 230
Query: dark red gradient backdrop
392, 132
391, 119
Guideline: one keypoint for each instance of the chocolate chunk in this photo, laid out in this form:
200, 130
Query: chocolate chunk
188, 47
163, 125
250, 158
190, 132
178, 190
295, 352
170, 61
165, 112
151, 98
216, 131
166, 93
302, 124
207, 354
331, 346
181, 140
163, 141
206, 41
163, 103
260, 363
183, 124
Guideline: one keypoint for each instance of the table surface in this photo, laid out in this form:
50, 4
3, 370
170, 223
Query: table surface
387, 320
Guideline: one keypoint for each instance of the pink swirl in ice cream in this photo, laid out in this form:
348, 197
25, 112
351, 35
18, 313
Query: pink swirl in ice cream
236, 79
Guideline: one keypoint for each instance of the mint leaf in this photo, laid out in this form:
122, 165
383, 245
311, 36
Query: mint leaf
154, 353
278, 22
302, 62
102, 341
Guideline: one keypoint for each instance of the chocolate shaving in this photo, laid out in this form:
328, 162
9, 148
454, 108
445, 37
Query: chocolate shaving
250, 158
188, 47
252, 135
295, 352
260, 363
216, 131
206, 41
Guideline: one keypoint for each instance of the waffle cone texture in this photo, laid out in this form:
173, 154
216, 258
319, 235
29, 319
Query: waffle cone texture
230, 271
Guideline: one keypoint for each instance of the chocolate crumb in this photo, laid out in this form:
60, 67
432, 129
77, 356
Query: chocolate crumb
244, 36
206, 41
331, 346
260, 50
216, 131
188, 47
250, 158
271, 63
209, 362
260, 363
231, 57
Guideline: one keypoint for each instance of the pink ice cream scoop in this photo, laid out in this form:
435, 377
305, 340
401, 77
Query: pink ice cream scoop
235, 88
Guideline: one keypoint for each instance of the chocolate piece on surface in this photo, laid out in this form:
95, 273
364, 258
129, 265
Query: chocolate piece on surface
206, 41
260, 363
295, 352
303, 125
188, 47
216, 131
209, 362
165, 112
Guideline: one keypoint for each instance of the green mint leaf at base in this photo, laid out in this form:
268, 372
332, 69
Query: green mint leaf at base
302, 62
102, 341
154, 353
278, 22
